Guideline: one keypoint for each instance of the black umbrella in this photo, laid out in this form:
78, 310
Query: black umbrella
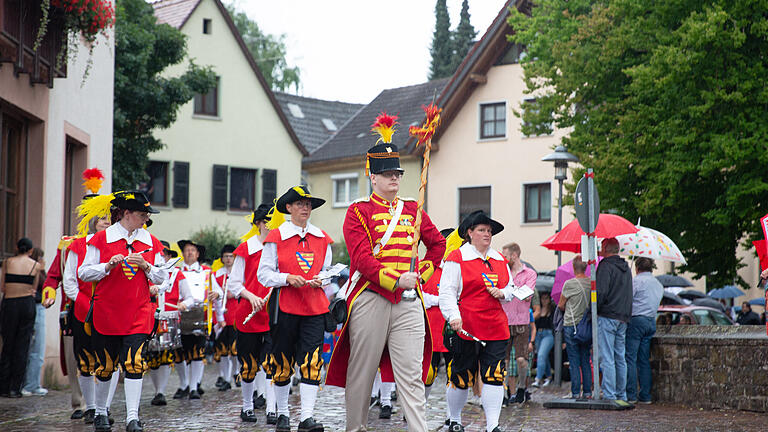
709, 302
544, 282
691, 294
671, 299
668, 280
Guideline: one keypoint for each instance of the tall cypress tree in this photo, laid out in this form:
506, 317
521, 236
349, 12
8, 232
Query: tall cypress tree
442, 44
462, 37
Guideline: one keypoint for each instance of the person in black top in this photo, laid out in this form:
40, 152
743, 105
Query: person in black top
545, 339
746, 316
17, 284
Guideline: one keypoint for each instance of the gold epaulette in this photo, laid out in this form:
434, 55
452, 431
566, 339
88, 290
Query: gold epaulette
66, 241
363, 199
407, 198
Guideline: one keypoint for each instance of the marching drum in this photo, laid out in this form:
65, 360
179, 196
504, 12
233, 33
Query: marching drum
168, 335
193, 321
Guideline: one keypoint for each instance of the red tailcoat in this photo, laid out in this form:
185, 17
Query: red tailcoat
260, 322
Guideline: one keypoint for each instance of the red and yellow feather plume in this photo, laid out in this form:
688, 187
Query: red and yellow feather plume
93, 178
425, 132
384, 126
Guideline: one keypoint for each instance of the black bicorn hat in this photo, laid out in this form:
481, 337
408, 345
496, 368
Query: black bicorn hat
294, 194
381, 158
200, 248
167, 249
133, 200
479, 217
262, 213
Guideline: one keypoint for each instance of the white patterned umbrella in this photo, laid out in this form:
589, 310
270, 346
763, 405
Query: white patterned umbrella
648, 242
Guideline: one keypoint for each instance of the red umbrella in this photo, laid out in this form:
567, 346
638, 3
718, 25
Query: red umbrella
569, 238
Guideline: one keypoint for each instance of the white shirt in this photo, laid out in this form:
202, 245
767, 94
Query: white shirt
268, 273
93, 269
237, 274
69, 280
218, 305
451, 282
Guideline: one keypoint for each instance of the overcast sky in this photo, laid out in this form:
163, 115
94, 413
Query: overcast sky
350, 50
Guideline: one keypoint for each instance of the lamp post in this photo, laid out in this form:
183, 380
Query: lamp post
561, 158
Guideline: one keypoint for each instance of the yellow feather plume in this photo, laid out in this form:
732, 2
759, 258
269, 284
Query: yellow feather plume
216, 265
277, 218
98, 206
252, 232
93, 184
452, 242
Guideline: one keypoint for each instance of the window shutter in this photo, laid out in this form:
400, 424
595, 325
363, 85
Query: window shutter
268, 185
181, 184
219, 196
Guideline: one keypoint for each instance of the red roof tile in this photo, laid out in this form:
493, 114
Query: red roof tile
174, 12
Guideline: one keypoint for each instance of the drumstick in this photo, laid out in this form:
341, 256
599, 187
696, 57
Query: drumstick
467, 334
248, 318
172, 305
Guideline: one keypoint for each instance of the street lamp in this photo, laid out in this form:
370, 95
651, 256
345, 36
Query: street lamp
560, 157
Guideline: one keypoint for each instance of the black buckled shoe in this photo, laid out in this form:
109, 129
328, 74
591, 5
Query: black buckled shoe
77, 414
496, 429
271, 418
181, 393
283, 424
200, 390
310, 425
101, 423
134, 426
88, 416
248, 416
219, 382
259, 402
226, 386
159, 400
386, 412
194, 395
455, 427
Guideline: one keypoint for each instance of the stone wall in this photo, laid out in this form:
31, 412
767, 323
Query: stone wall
711, 366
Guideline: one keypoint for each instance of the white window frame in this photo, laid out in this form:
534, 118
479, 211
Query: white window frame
522, 203
480, 121
457, 213
343, 177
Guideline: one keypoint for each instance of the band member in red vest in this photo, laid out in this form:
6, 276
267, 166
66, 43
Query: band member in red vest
294, 254
95, 216
225, 351
379, 234
251, 318
470, 300
121, 259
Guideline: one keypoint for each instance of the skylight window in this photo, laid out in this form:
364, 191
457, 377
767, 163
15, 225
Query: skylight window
330, 125
295, 110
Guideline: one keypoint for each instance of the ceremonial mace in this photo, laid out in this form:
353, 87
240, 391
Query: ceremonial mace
424, 136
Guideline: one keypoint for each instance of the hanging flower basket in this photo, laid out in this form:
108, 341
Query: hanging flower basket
86, 18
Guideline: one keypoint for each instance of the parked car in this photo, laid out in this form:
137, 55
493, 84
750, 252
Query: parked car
697, 315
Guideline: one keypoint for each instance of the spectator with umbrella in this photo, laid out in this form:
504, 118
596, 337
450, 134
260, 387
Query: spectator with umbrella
746, 316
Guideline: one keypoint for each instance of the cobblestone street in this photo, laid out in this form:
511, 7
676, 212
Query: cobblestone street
219, 411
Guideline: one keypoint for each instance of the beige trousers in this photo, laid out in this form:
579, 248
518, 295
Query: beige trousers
374, 323
72, 373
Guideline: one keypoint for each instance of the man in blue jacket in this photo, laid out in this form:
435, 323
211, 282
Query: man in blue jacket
614, 310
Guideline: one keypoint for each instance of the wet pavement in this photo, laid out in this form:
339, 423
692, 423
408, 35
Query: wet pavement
219, 411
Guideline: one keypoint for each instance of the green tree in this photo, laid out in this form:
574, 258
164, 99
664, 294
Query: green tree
214, 237
143, 99
463, 37
268, 51
442, 44
667, 102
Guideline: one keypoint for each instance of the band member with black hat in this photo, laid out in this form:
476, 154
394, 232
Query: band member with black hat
474, 281
197, 276
120, 259
225, 352
251, 317
295, 252
379, 234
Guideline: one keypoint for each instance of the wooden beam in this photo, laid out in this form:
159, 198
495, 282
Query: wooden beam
478, 78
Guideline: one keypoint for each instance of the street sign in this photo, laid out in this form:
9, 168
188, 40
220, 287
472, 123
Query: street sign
583, 206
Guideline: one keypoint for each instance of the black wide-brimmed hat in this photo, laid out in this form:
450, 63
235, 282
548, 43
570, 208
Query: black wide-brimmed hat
167, 249
479, 217
133, 200
445, 232
294, 194
262, 213
200, 248
382, 158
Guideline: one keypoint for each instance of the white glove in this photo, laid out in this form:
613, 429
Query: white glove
430, 300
